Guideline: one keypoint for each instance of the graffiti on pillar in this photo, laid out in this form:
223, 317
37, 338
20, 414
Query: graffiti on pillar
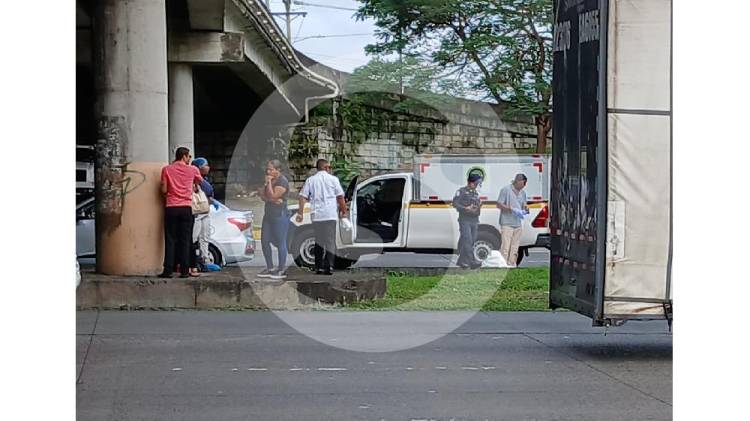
114, 179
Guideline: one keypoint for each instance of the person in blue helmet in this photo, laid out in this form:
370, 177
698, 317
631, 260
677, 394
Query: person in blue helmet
202, 223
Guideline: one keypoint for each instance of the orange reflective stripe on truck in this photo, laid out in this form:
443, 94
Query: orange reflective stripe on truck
443, 205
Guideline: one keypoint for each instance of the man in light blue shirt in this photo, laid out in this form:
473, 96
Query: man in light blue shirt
512, 204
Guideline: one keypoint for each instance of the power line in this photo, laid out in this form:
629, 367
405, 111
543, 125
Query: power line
334, 36
345, 58
299, 29
325, 6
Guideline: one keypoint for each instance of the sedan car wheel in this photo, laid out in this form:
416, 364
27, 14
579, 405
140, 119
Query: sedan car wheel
215, 255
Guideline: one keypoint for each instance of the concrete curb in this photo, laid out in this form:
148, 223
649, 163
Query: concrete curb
229, 290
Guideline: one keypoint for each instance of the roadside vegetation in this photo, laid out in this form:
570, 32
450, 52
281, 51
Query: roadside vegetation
525, 289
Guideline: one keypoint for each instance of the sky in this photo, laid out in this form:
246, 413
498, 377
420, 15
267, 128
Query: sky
340, 52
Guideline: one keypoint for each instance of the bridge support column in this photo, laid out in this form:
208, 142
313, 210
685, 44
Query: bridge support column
181, 128
130, 72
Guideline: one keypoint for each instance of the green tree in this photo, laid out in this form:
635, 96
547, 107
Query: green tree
406, 74
504, 47
405, 84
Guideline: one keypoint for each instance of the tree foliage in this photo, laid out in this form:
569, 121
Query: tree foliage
500, 49
404, 84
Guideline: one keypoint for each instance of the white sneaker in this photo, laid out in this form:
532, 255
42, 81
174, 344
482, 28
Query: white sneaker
265, 273
279, 274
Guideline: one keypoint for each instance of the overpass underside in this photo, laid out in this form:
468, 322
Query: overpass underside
153, 75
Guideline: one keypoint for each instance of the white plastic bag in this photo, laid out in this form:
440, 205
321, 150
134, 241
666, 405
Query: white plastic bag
495, 260
346, 224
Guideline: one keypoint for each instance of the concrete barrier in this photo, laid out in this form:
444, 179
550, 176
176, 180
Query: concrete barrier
230, 289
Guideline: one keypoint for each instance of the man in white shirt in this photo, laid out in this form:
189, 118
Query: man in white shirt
326, 198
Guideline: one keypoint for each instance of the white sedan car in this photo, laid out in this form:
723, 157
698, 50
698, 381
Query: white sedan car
231, 238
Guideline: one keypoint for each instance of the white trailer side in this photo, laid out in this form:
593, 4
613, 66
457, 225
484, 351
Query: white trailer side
438, 176
637, 277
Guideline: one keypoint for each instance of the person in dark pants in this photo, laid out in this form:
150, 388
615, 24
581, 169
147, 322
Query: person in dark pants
275, 220
200, 253
325, 246
467, 203
326, 197
177, 182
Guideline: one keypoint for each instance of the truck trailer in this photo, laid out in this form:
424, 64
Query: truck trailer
611, 189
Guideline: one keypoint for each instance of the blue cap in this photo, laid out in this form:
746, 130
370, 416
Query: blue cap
200, 162
473, 178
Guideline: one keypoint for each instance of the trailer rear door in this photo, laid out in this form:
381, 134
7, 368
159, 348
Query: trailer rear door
578, 188
610, 221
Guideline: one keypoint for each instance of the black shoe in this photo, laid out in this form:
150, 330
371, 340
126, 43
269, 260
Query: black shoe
327, 272
475, 265
265, 273
165, 275
184, 275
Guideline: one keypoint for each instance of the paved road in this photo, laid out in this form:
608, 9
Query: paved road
538, 257
252, 366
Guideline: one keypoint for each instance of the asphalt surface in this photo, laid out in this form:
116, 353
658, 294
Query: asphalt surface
253, 366
538, 257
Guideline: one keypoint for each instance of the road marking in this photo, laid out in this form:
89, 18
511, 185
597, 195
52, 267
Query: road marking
298, 369
441, 368
177, 369
257, 369
331, 369
469, 368
488, 367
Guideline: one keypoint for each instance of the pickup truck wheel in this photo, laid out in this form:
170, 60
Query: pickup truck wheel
484, 244
303, 248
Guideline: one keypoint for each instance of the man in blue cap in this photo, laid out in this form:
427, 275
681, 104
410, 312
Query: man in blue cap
202, 227
467, 203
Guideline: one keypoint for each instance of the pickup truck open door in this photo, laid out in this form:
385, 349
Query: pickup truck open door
380, 212
347, 236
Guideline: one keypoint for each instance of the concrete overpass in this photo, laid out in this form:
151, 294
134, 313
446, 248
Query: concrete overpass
153, 75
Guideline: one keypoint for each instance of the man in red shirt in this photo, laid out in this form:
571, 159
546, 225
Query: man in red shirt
177, 181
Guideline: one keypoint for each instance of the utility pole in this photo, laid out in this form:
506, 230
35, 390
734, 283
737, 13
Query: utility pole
287, 15
288, 6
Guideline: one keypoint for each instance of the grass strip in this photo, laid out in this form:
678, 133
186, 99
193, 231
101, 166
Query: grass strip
523, 289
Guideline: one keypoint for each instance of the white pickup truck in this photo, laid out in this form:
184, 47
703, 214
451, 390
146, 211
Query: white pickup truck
412, 211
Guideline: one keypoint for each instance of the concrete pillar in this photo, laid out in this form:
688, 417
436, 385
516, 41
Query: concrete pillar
130, 71
181, 129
